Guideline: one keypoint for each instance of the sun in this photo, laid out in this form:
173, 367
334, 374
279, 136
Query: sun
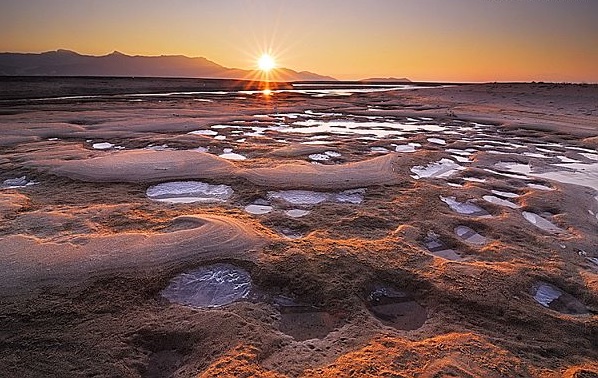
266, 63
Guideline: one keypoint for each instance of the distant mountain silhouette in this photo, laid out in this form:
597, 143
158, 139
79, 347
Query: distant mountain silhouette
387, 79
70, 63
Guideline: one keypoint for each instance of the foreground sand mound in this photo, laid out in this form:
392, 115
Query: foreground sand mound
143, 166
375, 171
452, 355
155, 166
27, 263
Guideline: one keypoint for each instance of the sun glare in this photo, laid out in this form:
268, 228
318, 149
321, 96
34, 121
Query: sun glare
266, 63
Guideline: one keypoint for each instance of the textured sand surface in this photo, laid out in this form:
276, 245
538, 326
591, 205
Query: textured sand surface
374, 282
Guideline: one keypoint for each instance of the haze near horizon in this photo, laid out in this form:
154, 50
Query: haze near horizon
429, 40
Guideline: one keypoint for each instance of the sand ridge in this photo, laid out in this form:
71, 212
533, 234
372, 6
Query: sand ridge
29, 263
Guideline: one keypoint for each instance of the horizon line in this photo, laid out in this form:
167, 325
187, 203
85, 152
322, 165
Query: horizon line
382, 77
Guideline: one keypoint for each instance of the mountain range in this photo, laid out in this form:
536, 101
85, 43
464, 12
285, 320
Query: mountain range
70, 63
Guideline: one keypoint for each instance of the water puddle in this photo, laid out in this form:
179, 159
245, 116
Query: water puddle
319, 157
409, 147
439, 249
540, 187
209, 286
555, 299
189, 192
162, 147
304, 322
299, 197
591, 156
504, 174
343, 127
569, 173
255, 209
440, 169
505, 194
230, 155
455, 151
291, 233
500, 202
465, 208
296, 213
474, 179
102, 146
310, 198
470, 236
565, 159
204, 132
461, 159
437, 141
395, 308
541, 223
327, 155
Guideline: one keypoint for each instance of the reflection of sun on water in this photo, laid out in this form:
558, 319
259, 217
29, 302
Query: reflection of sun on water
267, 92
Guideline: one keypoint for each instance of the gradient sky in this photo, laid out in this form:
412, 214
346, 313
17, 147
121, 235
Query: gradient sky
427, 40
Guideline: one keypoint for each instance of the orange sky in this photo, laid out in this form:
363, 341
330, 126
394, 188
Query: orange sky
427, 40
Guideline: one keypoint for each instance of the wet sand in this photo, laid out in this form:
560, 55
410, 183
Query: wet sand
447, 231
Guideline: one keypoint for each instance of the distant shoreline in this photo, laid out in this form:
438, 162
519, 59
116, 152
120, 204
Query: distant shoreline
24, 88
35, 87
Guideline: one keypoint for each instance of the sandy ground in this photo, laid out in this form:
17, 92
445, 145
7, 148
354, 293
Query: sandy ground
85, 254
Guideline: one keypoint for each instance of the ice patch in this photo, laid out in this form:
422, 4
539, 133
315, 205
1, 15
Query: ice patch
308, 198
14, 183
319, 157
189, 192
